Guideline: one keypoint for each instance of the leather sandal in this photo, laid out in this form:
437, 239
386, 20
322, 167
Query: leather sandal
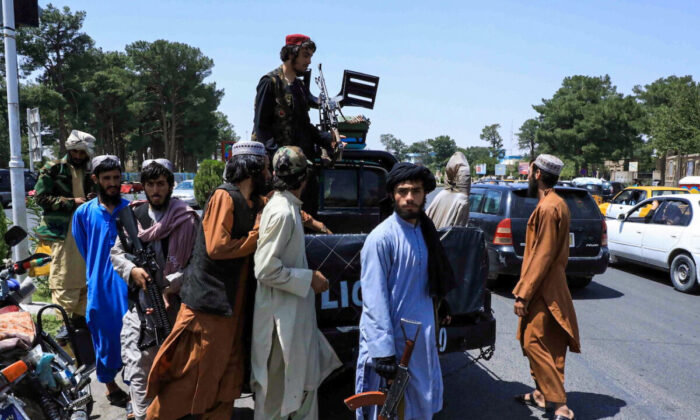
529, 400
560, 417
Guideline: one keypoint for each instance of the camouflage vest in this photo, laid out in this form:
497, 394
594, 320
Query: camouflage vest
283, 126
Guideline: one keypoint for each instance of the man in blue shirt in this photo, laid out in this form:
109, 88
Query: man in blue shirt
95, 231
405, 274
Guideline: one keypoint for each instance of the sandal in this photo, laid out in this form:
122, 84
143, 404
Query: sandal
529, 400
118, 398
560, 417
130, 411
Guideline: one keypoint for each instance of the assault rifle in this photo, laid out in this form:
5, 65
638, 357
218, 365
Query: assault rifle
328, 109
152, 298
389, 399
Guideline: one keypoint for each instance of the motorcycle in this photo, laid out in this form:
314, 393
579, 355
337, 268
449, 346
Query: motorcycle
38, 378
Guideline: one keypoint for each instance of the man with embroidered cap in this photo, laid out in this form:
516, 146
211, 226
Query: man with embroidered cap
282, 106
199, 370
62, 187
405, 274
290, 355
547, 319
95, 230
169, 226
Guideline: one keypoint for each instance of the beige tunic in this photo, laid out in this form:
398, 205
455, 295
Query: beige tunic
451, 206
285, 305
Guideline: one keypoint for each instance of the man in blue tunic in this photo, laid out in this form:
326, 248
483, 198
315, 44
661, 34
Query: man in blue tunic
95, 231
405, 274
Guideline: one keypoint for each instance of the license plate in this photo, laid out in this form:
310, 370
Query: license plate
572, 240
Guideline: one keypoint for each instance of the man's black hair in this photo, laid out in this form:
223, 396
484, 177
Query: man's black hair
106, 166
292, 51
242, 167
549, 180
287, 183
154, 171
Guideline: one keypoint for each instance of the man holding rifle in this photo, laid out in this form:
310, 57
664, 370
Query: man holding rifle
168, 226
282, 106
405, 274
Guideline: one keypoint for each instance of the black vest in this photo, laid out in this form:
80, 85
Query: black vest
211, 285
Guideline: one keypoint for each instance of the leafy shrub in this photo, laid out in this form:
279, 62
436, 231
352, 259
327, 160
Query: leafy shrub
209, 176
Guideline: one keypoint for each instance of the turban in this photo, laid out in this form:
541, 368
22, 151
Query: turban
81, 141
405, 171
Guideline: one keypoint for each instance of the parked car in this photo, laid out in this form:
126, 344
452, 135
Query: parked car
30, 179
611, 189
129, 187
185, 192
666, 238
502, 213
593, 185
629, 197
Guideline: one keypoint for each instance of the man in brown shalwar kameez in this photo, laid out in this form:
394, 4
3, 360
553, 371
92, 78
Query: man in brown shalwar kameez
199, 370
542, 300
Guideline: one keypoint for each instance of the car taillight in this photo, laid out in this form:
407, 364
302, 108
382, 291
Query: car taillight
604, 239
504, 234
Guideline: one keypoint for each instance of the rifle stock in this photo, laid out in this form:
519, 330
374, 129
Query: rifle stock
365, 399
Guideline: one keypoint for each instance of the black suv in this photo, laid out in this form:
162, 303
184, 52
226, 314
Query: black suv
502, 212
30, 179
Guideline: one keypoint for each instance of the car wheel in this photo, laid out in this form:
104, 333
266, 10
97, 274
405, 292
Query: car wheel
684, 274
578, 282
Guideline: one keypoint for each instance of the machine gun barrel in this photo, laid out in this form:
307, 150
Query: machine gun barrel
144, 257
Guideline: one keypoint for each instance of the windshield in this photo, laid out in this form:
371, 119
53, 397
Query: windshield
593, 188
580, 205
657, 193
184, 185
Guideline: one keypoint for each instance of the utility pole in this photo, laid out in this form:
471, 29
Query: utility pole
19, 210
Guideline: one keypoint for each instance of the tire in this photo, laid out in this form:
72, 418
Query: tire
684, 274
576, 283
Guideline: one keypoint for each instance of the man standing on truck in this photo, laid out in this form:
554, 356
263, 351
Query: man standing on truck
547, 324
290, 357
199, 370
61, 188
282, 106
451, 206
405, 274
170, 227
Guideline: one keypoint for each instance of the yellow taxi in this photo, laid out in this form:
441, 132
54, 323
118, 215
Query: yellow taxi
629, 197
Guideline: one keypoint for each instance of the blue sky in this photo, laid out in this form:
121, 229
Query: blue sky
445, 67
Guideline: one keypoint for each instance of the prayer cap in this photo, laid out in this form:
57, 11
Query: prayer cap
102, 158
163, 162
296, 39
248, 147
550, 164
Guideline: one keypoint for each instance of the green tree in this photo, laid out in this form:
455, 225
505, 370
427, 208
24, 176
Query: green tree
422, 148
171, 86
394, 146
58, 50
479, 154
527, 136
490, 135
587, 121
209, 176
443, 147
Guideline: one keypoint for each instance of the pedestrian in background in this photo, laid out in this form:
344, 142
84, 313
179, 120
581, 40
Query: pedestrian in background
547, 324
62, 187
451, 206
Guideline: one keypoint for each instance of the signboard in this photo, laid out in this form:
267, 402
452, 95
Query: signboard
500, 169
634, 166
226, 150
481, 169
524, 168
34, 132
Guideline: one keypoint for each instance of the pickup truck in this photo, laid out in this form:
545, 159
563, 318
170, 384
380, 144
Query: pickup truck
350, 204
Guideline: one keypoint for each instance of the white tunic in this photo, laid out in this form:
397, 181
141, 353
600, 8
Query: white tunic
285, 304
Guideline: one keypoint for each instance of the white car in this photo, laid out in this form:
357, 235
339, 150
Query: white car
185, 192
667, 238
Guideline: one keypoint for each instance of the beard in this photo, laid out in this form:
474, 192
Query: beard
108, 199
532, 188
160, 207
77, 162
408, 214
261, 186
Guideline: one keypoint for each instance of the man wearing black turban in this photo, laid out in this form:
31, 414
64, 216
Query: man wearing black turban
405, 274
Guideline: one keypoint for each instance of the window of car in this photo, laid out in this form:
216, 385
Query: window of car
580, 204
657, 193
340, 188
373, 186
673, 213
476, 197
492, 202
630, 197
623, 197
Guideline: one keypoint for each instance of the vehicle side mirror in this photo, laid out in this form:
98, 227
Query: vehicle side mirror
621, 216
